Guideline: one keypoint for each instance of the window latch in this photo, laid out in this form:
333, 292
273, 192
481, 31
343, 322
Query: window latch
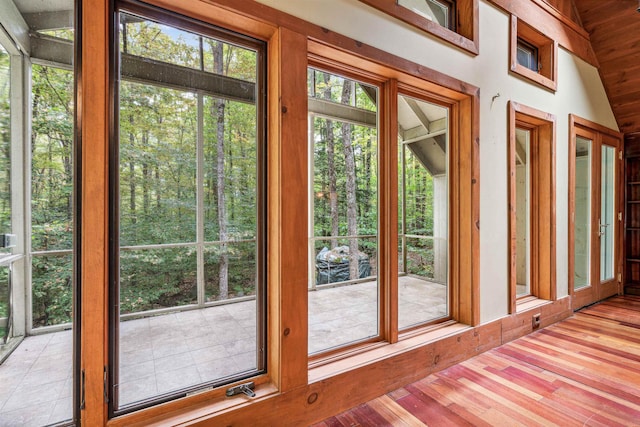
246, 388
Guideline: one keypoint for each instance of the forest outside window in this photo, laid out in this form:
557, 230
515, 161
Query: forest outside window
357, 287
189, 281
531, 204
533, 55
344, 294
423, 164
454, 21
37, 138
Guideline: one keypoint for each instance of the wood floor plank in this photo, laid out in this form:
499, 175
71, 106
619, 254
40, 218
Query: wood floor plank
583, 371
393, 413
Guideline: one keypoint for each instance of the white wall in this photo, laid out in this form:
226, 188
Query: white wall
580, 92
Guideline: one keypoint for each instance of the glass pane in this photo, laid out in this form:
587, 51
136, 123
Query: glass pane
527, 55
190, 300
582, 220
157, 165
422, 212
433, 10
157, 278
607, 213
523, 212
51, 159
52, 289
240, 271
344, 224
38, 374
5, 144
230, 169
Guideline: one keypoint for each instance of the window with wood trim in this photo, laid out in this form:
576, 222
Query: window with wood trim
531, 204
441, 11
383, 158
454, 21
533, 55
188, 236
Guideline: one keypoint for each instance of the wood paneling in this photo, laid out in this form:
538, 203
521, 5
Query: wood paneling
582, 371
615, 37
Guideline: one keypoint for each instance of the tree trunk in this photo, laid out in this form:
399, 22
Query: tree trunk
333, 189
219, 107
146, 175
132, 171
350, 166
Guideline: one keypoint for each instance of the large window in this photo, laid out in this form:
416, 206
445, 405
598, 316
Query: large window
190, 283
344, 244
382, 163
531, 204
423, 201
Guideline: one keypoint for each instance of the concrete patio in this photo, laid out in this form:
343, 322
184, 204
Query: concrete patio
173, 351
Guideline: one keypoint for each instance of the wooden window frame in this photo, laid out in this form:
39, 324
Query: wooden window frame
288, 381
547, 73
462, 184
183, 23
465, 34
542, 202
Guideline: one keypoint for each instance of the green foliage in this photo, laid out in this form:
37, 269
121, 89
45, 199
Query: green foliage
415, 183
52, 290
242, 270
51, 159
159, 176
157, 278
5, 143
51, 194
4, 292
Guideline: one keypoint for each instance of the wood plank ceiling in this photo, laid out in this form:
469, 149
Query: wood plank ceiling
614, 28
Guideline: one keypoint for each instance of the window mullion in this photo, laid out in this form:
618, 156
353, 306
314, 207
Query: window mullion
388, 188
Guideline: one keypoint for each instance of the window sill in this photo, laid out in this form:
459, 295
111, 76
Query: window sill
529, 303
195, 407
534, 77
380, 351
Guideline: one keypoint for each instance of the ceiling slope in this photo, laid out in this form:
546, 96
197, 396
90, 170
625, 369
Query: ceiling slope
614, 28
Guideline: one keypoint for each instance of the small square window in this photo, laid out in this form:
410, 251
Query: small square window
527, 55
533, 55
440, 11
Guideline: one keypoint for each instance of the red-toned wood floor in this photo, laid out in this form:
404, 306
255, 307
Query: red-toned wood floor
583, 371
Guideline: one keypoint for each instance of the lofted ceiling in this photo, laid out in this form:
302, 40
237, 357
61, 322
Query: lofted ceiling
614, 29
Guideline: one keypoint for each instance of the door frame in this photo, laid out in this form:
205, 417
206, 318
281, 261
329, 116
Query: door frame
599, 135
